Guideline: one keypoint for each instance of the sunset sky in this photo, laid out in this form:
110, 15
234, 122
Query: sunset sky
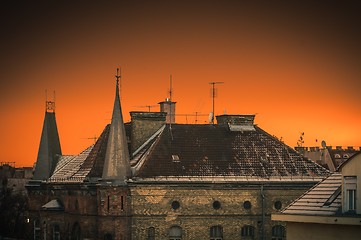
296, 65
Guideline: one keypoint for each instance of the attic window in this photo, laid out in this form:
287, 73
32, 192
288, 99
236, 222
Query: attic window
332, 197
337, 156
345, 156
175, 158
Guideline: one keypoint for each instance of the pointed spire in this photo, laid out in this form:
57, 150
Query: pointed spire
49, 146
116, 165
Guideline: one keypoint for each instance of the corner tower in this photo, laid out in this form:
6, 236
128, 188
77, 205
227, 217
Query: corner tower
49, 147
116, 165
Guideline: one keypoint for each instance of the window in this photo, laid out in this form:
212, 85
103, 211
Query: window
247, 205
175, 233
278, 205
175, 205
56, 232
108, 236
121, 203
278, 232
350, 193
175, 158
37, 231
216, 233
151, 233
247, 232
216, 205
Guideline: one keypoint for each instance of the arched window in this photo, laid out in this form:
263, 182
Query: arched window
247, 232
175, 233
151, 233
216, 233
56, 232
278, 232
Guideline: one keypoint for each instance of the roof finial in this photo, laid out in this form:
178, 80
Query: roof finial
118, 76
49, 105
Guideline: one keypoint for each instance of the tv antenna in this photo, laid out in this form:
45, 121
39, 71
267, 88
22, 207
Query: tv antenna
213, 97
148, 106
93, 138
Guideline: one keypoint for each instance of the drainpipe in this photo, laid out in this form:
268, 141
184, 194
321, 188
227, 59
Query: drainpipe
263, 212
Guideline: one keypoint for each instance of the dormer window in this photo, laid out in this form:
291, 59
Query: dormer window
175, 158
350, 193
337, 156
345, 156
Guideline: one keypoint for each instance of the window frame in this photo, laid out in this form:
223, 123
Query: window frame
247, 232
350, 192
175, 236
216, 232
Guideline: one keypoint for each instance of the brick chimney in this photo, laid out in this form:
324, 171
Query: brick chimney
168, 107
144, 125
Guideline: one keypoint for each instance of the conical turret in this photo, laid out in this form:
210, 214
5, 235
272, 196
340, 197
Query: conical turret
116, 165
49, 146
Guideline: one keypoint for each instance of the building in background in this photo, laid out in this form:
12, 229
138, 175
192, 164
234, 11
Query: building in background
329, 210
13, 199
149, 179
327, 156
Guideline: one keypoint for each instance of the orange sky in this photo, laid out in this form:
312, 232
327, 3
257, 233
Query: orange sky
297, 66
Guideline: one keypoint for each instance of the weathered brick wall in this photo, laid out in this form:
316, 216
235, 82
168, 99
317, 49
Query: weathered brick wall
113, 210
144, 125
151, 207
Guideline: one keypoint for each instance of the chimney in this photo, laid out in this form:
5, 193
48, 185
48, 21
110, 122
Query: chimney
350, 148
338, 148
168, 107
144, 125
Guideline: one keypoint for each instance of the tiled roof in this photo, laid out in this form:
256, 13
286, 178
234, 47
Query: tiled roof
54, 204
322, 200
194, 150
214, 150
70, 168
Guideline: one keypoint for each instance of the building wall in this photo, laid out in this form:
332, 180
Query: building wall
92, 211
301, 231
353, 168
152, 207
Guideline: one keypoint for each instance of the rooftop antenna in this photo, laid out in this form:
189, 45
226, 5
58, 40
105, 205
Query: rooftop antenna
93, 138
213, 97
49, 105
147, 106
170, 88
170, 105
